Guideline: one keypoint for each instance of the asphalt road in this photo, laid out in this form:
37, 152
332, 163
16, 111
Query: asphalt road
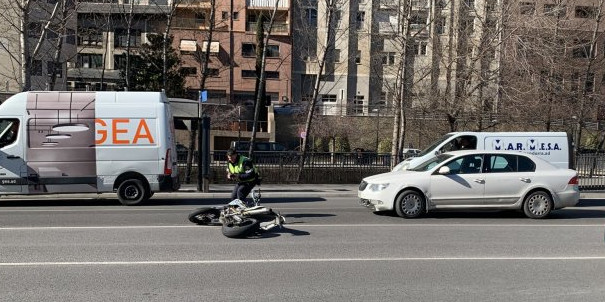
330, 250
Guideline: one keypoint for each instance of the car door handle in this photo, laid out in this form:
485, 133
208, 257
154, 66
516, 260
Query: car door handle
12, 156
523, 179
479, 180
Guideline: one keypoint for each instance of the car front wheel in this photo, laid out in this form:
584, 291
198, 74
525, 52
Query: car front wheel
410, 204
537, 205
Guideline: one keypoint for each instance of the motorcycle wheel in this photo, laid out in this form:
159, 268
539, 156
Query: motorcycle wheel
239, 230
204, 216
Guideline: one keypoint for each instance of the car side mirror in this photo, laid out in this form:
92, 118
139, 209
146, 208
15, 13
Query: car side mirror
437, 152
444, 170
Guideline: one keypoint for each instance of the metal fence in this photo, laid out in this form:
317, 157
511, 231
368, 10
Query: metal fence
351, 167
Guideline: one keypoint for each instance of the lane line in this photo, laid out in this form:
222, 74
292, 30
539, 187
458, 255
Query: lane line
262, 261
295, 225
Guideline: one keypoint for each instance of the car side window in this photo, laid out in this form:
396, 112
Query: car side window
466, 165
502, 163
9, 129
526, 164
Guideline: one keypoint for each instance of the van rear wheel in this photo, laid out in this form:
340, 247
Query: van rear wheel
132, 192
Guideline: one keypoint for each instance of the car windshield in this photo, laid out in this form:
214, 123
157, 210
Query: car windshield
434, 145
431, 163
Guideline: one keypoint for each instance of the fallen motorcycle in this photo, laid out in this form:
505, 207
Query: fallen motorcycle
239, 220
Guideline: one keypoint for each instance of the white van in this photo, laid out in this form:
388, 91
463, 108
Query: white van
554, 147
88, 142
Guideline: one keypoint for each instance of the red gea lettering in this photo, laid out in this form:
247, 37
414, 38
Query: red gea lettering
120, 134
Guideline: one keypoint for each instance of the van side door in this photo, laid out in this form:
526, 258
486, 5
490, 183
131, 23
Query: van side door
13, 169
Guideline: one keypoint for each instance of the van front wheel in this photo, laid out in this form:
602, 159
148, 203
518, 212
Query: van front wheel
132, 192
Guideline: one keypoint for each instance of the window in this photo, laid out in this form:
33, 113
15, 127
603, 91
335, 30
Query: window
51, 34
358, 57
555, 10
57, 68
358, 104
90, 61
272, 51
469, 3
336, 18
200, 18
589, 84
581, 49
575, 78
525, 164
419, 48
235, 15
337, 55
491, 5
224, 15
388, 58
440, 25
502, 163
272, 75
37, 67
585, 12
360, 20
34, 30
527, 8
119, 62
70, 37
188, 71
121, 37
311, 16
9, 129
470, 164
248, 74
214, 72
90, 36
328, 98
248, 50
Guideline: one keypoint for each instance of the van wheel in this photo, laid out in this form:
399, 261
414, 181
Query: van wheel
537, 205
410, 204
132, 192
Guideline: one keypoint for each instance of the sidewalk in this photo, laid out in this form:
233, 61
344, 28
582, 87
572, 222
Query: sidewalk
274, 190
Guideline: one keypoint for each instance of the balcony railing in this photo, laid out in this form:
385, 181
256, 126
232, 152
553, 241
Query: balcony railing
267, 3
278, 27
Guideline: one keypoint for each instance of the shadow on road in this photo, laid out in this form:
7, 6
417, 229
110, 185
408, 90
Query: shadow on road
276, 232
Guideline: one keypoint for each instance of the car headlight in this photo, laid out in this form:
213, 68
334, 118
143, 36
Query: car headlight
378, 187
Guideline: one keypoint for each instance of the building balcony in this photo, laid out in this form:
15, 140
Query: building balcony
265, 4
194, 4
387, 27
139, 7
278, 27
189, 23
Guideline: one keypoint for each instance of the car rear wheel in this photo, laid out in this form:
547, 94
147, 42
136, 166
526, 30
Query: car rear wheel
410, 204
537, 205
132, 192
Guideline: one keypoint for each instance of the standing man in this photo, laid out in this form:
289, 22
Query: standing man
242, 170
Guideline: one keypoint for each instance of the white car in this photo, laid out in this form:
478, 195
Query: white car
473, 179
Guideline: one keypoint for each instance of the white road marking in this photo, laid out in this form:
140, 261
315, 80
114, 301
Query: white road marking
255, 261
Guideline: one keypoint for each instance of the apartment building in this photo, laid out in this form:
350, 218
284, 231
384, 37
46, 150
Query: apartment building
453, 52
231, 67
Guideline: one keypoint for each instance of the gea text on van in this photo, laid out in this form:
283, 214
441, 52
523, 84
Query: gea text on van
122, 132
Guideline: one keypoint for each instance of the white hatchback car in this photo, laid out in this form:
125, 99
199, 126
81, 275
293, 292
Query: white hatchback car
473, 179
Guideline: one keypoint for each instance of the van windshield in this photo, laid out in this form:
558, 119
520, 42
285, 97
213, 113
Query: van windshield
434, 145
